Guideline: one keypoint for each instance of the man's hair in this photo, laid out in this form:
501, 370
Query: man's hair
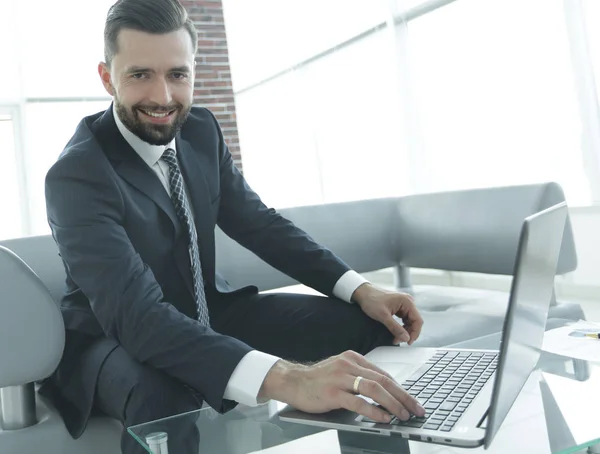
150, 16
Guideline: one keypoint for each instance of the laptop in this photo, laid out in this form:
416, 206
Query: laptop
468, 393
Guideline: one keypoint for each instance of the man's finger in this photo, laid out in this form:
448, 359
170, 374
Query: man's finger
372, 389
392, 387
364, 373
408, 296
399, 333
362, 407
414, 330
399, 393
412, 320
414, 325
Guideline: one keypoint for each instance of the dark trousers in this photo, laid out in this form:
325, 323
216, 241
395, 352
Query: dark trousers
291, 326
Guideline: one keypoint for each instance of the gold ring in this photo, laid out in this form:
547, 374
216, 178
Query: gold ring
356, 383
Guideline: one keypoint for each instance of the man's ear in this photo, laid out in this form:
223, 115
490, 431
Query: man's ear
104, 73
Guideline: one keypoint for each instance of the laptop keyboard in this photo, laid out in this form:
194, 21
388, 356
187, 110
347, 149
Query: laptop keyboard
446, 385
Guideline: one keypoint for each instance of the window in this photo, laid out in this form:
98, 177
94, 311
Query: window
358, 138
327, 132
591, 12
61, 63
268, 36
496, 96
275, 134
10, 202
10, 87
462, 94
52, 80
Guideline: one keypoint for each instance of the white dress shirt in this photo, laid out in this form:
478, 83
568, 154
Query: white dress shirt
248, 376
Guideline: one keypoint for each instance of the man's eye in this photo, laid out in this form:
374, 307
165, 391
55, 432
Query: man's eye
179, 76
138, 75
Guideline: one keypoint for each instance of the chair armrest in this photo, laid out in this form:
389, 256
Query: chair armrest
32, 333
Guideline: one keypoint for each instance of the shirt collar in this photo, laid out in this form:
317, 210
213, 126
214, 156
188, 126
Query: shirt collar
149, 153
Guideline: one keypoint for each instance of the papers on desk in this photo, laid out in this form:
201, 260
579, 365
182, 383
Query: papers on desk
321, 443
565, 341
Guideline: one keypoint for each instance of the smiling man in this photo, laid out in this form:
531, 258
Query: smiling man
158, 121
152, 328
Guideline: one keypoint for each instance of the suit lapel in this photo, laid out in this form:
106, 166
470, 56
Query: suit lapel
146, 181
198, 194
133, 169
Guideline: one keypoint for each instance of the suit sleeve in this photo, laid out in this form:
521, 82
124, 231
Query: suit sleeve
276, 240
86, 211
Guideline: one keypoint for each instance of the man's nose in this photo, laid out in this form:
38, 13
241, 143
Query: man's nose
161, 92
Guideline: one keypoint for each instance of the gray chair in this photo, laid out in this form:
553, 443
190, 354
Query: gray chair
475, 230
472, 230
36, 351
31, 344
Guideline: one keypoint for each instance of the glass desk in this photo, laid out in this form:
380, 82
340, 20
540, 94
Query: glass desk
538, 422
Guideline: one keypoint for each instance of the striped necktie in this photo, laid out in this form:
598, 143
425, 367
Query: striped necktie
182, 208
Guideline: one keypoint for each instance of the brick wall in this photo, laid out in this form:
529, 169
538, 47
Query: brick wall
212, 87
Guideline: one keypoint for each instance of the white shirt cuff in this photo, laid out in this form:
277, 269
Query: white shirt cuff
248, 376
347, 284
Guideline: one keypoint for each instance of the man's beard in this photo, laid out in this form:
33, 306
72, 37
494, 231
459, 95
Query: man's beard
153, 134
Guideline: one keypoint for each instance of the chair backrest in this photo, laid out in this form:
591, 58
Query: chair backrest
360, 233
474, 230
31, 326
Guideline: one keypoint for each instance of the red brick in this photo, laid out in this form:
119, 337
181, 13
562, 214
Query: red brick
222, 60
203, 66
214, 82
212, 86
213, 42
211, 34
214, 51
218, 110
223, 116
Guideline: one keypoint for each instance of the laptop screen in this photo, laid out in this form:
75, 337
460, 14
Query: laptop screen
524, 325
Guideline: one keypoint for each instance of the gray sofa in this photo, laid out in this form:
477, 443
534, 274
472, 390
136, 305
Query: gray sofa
474, 231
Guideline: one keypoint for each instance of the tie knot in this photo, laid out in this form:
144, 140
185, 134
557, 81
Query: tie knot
169, 156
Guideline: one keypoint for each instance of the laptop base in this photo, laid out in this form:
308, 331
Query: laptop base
362, 442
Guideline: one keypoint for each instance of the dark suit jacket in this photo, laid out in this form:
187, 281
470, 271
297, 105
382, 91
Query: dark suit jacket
126, 257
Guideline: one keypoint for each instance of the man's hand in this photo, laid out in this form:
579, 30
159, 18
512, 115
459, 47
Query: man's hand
382, 305
329, 385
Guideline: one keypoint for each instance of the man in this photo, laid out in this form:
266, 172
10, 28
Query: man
152, 329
